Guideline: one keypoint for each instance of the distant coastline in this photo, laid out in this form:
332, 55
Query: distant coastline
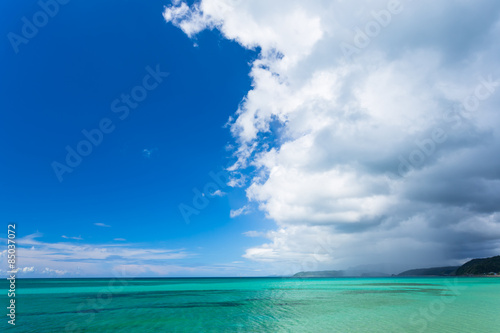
484, 267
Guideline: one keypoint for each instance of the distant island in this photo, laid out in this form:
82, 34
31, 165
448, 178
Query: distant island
323, 274
319, 274
474, 267
433, 271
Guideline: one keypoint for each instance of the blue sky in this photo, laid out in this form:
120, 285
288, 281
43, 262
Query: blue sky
350, 134
64, 80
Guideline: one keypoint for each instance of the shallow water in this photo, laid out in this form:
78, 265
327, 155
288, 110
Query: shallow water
257, 305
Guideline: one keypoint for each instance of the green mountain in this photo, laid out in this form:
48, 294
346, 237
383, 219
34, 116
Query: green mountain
480, 266
434, 271
473, 267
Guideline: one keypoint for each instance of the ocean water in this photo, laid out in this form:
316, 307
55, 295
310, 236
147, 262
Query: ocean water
256, 305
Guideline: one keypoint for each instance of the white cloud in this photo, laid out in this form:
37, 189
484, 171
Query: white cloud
240, 211
102, 225
75, 238
253, 233
389, 155
49, 271
147, 153
119, 239
218, 193
27, 269
30, 271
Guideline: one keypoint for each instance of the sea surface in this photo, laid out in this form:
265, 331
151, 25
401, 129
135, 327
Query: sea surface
469, 305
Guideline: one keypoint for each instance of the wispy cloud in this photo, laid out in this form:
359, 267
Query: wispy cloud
119, 239
75, 238
102, 225
43, 259
252, 233
147, 153
240, 211
85, 259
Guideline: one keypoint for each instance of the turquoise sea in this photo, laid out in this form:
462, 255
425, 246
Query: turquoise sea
256, 305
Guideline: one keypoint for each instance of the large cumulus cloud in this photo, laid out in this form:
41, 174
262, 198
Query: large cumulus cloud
371, 131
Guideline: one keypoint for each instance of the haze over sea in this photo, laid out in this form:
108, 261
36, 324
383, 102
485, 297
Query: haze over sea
258, 305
